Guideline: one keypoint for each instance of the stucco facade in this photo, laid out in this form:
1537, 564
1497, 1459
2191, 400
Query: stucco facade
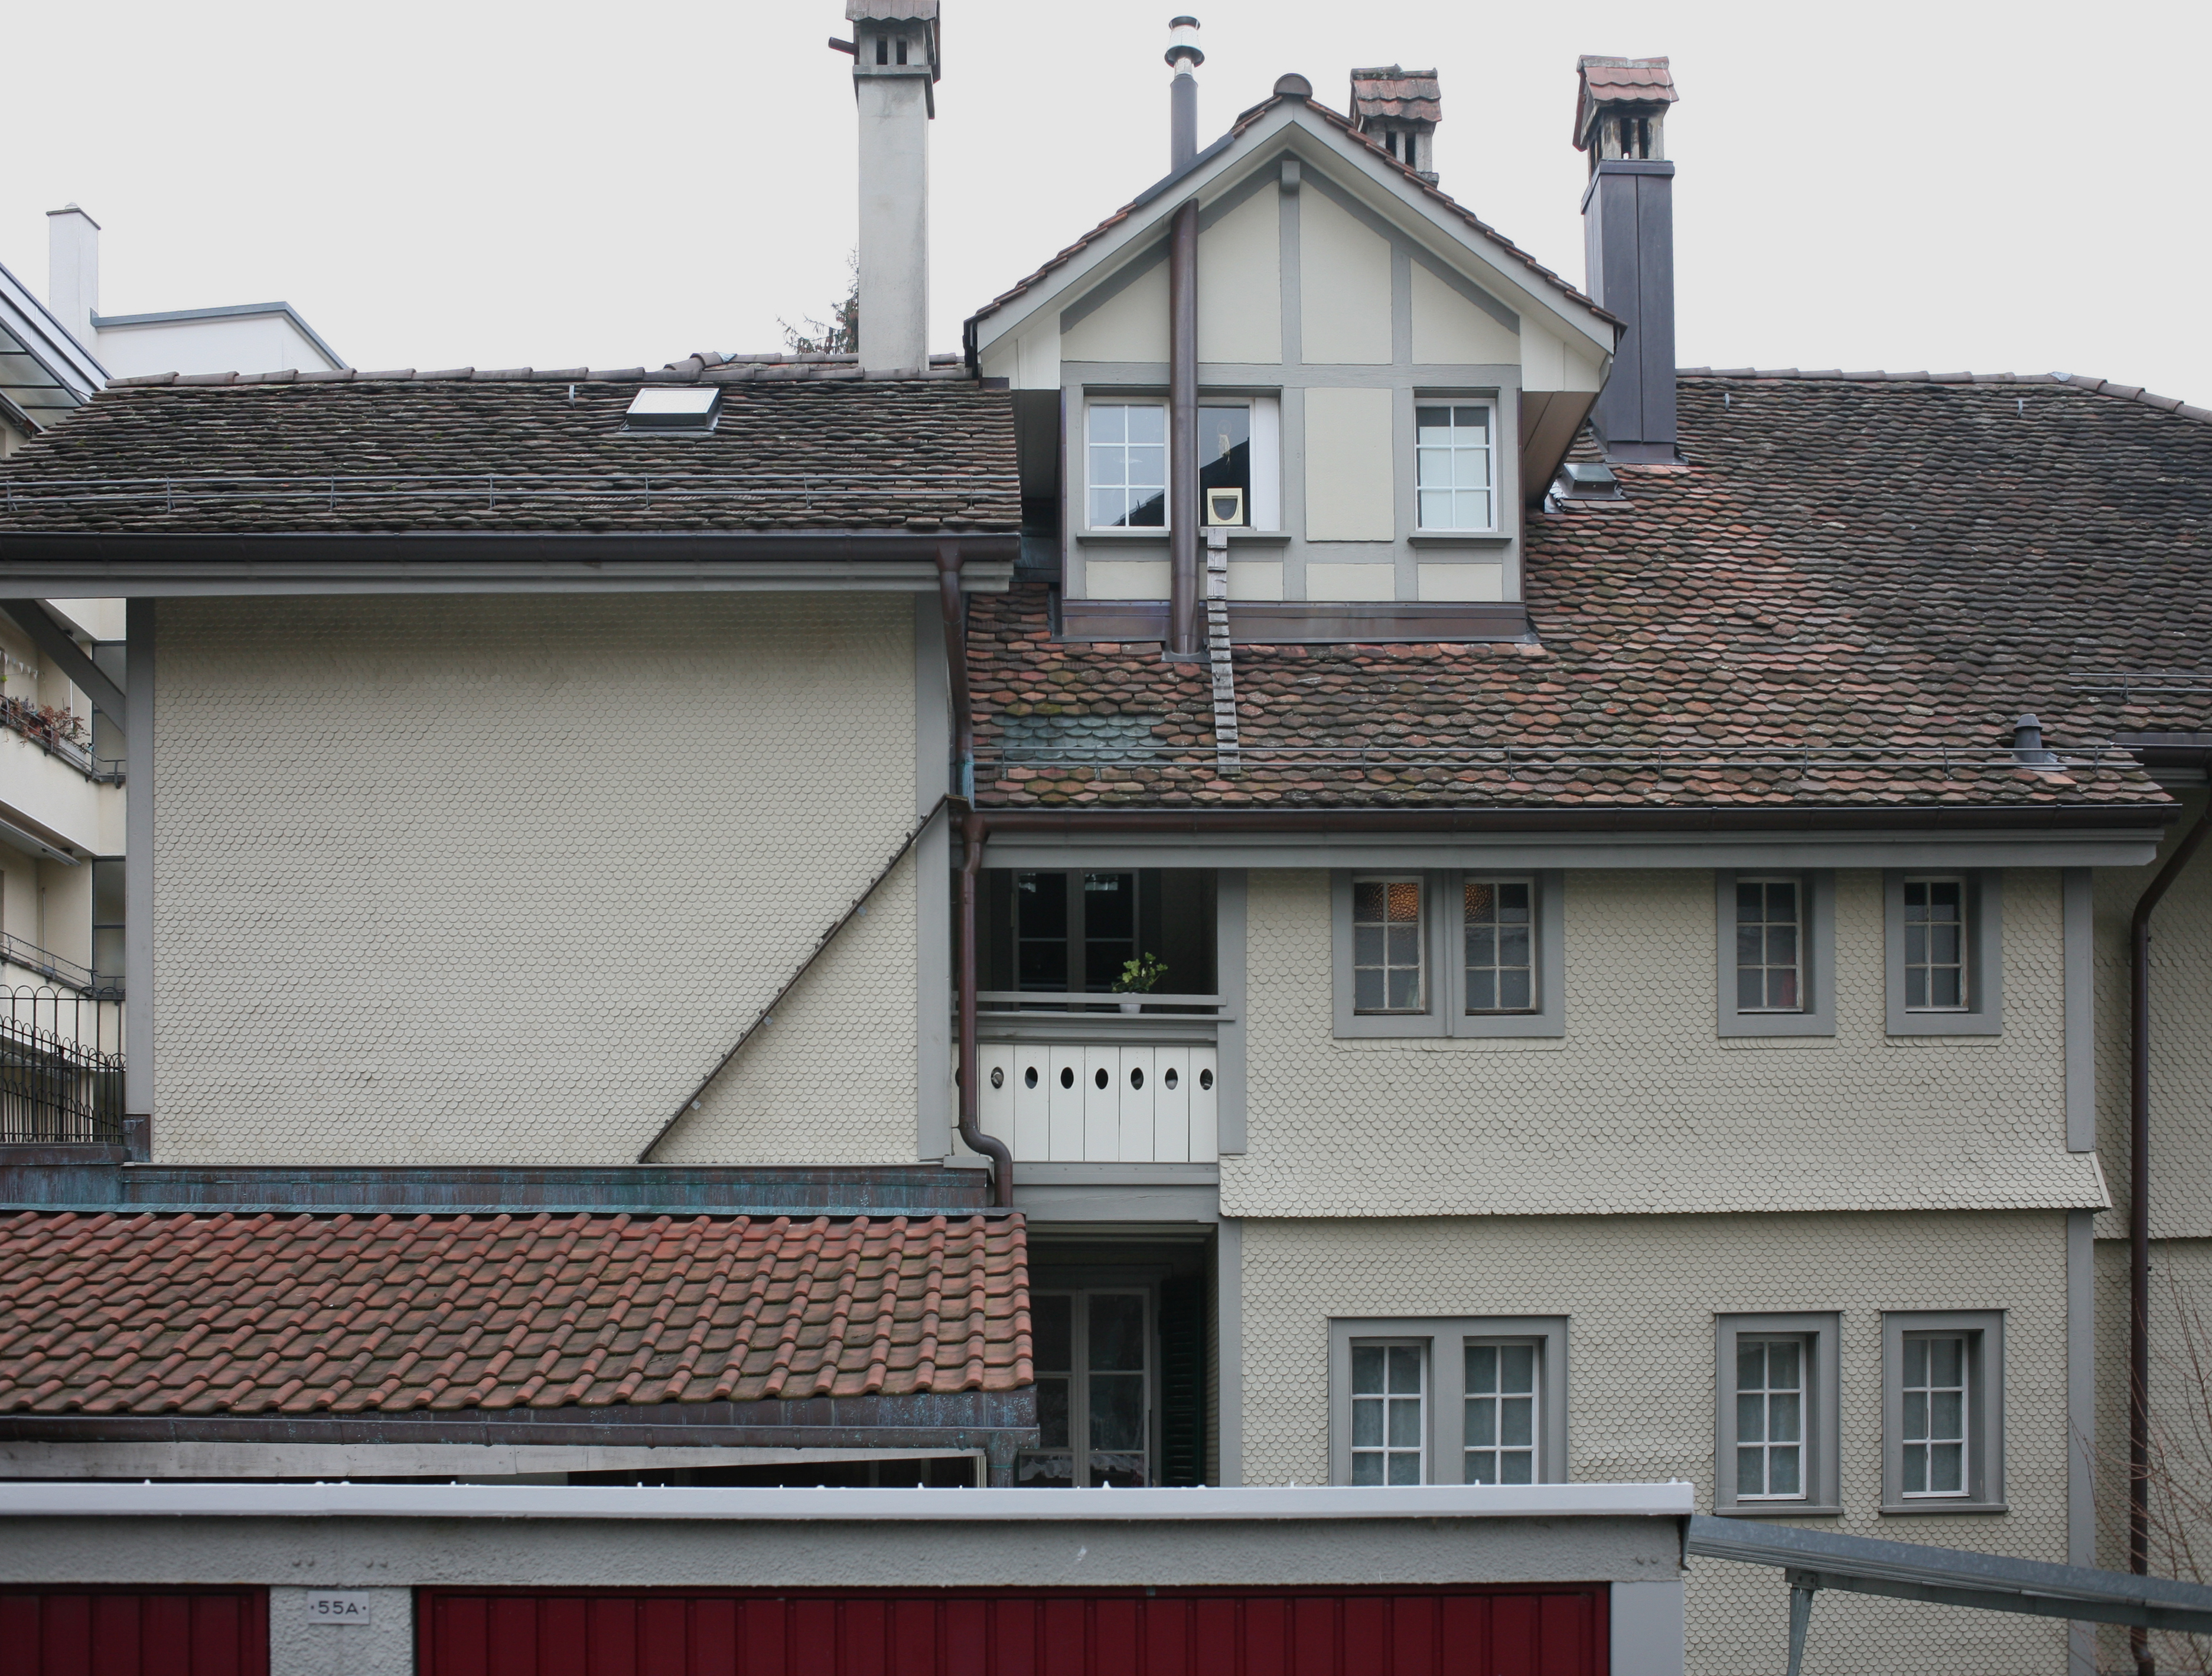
1641, 1295
447, 880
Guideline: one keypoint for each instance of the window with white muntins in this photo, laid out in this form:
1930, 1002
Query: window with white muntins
1944, 953
1498, 916
1770, 1419
1942, 1421
1127, 469
1454, 472
1389, 1413
1447, 953
1390, 951
1935, 945
1933, 1404
1500, 1418
1770, 946
1776, 1443
1467, 1400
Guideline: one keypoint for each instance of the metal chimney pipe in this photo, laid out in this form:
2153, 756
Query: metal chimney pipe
1184, 54
1182, 433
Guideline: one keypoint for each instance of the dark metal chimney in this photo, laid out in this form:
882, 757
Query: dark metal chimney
1184, 54
1628, 244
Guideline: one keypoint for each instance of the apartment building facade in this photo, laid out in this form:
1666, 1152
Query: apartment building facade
1508, 911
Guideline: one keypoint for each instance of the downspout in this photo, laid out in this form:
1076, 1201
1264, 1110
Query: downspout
954, 608
2139, 1214
1182, 433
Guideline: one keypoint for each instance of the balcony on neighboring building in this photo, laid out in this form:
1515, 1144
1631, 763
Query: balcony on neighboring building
60, 1065
1078, 1067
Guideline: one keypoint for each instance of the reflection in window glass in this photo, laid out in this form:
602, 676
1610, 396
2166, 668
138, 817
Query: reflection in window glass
1935, 1418
1117, 1389
1501, 1414
1094, 1415
1769, 946
1225, 467
1935, 945
1386, 946
1129, 450
1109, 926
1385, 1413
1052, 1325
1452, 455
1040, 931
1501, 956
1770, 1419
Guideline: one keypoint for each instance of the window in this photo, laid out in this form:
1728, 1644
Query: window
1474, 1399
1777, 933
1500, 1429
1224, 463
1776, 1405
1944, 933
1448, 953
1073, 931
1452, 466
1389, 1424
1942, 1411
1388, 956
1093, 1385
1498, 918
1128, 447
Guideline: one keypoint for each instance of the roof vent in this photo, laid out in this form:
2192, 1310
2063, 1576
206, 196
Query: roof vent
1587, 480
675, 408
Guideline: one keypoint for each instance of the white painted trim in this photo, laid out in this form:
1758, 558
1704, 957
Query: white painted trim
1671, 1499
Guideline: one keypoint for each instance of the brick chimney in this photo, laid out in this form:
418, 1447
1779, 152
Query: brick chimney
1628, 245
1399, 110
896, 65
73, 270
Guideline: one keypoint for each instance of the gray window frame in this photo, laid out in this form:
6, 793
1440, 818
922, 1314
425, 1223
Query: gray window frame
1445, 1386
1445, 989
1817, 956
1984, 1330
1822, 1332
1984, 1014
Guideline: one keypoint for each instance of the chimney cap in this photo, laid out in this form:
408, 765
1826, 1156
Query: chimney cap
1612, 81
73, 209
891, 11
1293, 86
1396, 94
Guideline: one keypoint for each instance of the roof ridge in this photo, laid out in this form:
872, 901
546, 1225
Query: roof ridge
709, 366
2100, 386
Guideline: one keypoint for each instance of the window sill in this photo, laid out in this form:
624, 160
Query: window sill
1954, 1037
1911, 1509
1437, 538
1238, 538
1779, 1510
1531, 1043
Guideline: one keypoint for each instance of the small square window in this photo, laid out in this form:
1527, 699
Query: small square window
1453, 467
1942, 1411
1453, 1399
1777, 934
1775, 1433
1944, 933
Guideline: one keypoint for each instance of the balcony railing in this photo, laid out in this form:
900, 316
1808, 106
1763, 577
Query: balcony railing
1071, 1077
61, 1069
58, 734
59, 969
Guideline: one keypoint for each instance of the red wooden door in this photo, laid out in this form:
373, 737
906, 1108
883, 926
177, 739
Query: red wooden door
134, 1632
1558, 1630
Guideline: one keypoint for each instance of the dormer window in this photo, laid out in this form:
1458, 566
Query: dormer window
674, 408
1453, 469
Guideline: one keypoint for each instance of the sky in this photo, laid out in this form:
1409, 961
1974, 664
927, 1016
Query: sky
1945, 185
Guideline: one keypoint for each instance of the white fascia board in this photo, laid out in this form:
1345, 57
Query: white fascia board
53, 1500
47, 339
1315, 142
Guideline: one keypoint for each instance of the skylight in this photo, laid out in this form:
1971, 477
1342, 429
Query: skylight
675, 408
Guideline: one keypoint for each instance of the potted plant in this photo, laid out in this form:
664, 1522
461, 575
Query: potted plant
1139, 976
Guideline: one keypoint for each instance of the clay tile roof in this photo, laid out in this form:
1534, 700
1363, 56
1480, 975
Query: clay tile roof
1844, 597
1605, 81
1389, 91
267, 1315
804, 444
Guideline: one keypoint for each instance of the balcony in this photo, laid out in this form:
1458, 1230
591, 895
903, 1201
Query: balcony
1075, 1077
61, 1069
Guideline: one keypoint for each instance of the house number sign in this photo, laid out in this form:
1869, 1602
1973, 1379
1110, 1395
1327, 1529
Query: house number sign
326, 1606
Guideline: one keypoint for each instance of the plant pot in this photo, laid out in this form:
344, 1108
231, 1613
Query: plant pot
1132, 1006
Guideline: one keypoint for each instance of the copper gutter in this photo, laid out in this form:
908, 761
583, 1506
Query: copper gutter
1182, 432
954, 607
2139, 1211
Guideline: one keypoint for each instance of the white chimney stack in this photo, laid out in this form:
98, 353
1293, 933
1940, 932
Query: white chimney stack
896, 64
73, 270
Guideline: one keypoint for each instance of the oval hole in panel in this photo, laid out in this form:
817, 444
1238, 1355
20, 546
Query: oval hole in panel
1067, 1076
998, 1078
1136, 1077
1170, 1078
1100, 1077
1206, 1079
1028, 1077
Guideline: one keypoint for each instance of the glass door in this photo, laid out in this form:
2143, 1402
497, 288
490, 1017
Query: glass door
1093, 1359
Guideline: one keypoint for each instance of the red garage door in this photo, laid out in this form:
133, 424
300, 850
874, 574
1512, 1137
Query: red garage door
1551, 1631
117, 1632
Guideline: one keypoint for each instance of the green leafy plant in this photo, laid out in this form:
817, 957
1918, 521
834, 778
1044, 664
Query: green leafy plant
1141, 976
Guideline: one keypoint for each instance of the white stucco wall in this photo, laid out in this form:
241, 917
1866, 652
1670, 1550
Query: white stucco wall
1640, 1294
463, 880
1641, 1105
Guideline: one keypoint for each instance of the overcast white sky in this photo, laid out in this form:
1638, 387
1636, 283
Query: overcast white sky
1939, 185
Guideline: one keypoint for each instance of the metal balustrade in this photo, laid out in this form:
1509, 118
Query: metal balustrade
61, 1069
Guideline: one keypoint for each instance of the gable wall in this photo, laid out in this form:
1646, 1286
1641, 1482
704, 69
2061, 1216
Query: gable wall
1312, 299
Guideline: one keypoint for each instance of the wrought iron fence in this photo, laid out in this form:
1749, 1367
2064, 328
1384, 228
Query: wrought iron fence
60, 1068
